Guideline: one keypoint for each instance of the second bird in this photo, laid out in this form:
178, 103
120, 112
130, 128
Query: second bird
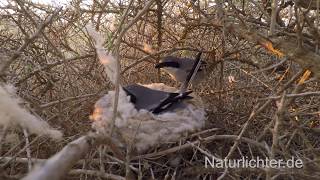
179, 68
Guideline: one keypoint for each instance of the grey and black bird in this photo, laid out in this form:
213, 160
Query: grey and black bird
157, 101
179, 68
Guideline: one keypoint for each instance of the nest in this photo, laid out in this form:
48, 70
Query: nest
142, 128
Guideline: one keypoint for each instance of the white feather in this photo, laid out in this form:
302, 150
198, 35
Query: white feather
106, 59
12, 114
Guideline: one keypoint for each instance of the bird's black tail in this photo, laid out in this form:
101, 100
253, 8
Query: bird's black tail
192, 73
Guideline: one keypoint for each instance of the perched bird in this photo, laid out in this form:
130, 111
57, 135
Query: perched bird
157, 101
179, 68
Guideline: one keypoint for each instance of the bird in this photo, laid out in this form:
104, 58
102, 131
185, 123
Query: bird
179, 68
155, 101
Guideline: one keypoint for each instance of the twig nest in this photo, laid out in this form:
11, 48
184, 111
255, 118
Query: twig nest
142, 128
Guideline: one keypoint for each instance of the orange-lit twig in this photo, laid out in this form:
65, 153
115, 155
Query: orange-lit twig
305, 76
268, 45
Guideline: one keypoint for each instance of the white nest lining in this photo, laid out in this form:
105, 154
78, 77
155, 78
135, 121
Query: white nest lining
145, 128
